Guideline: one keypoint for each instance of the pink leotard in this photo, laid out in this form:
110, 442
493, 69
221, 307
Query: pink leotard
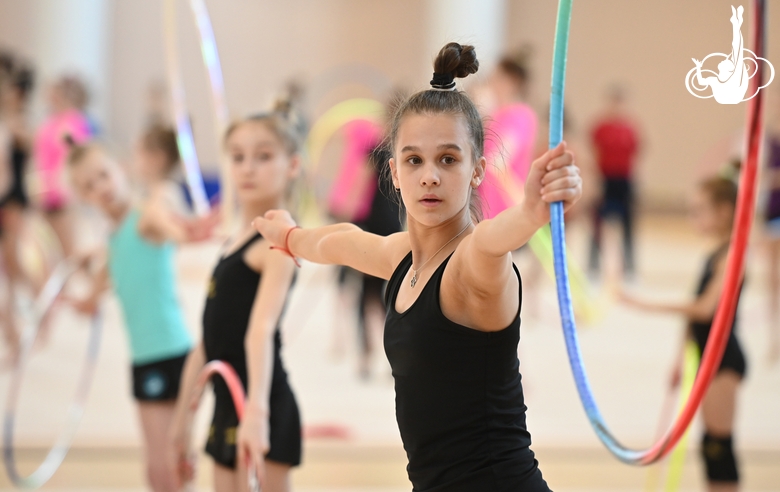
351, 196
51, 151
509, 146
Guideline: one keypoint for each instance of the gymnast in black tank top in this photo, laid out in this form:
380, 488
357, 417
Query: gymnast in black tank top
459, 398
733, 357
231, 295
16, 193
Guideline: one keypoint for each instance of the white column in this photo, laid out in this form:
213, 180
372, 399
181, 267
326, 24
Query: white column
73, 36
477, 22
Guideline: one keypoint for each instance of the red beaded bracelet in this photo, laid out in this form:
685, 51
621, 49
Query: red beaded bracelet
286, 248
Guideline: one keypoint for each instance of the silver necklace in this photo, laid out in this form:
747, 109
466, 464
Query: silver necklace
415, 271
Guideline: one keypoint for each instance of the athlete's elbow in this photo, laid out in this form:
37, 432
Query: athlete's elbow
486, 242
258, 332
701, 314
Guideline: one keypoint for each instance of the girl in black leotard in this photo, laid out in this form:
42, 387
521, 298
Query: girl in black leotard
15, 93
453, 321
245, 301
713, 215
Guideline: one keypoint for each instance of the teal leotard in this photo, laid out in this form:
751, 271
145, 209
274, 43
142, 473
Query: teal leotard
143, 277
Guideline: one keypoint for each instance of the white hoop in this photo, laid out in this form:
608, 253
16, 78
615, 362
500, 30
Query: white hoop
45, 302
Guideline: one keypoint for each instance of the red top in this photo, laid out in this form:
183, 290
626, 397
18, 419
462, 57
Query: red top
616, 143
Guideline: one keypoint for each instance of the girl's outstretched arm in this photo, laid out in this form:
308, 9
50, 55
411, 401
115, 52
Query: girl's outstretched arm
160, 223
96, 266
337, 244
483, 257
702, 309
181, 460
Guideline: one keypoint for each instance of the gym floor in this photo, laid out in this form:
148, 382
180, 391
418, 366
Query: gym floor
629, 356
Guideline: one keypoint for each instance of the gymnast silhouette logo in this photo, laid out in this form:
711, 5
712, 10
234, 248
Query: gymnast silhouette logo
730, 84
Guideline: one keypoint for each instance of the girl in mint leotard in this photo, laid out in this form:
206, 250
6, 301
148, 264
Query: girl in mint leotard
140, 268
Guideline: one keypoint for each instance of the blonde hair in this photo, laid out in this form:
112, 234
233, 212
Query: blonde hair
286, 123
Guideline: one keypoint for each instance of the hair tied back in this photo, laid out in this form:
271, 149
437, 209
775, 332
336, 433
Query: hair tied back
443, 82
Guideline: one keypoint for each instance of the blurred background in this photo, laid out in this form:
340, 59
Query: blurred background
337, 50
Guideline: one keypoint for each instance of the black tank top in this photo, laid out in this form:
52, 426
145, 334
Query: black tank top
733, 357
16, 191
459, 399
231, 295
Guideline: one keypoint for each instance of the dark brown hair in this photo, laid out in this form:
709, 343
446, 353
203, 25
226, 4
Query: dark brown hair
720, 190
455, 61
7, 63
515, 65
74, 90
162, 139
23, 80
17, 73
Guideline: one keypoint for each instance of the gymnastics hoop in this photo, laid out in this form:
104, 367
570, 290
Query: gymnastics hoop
38, 249
320, 134
338, 76
45, 302
540, 243
228, 374
184, 137
724, 315
674, 469
334, 119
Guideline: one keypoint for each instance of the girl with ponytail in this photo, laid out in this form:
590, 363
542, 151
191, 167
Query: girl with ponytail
246, 299
454, 295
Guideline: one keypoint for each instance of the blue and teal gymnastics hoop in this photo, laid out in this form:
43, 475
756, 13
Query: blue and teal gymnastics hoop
721, 327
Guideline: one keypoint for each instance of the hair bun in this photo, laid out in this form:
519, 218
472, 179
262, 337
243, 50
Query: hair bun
283, 107
459, 61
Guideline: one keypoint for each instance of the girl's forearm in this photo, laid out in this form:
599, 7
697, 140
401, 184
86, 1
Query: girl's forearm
192, 367
506, 232
693, 311
319, 244
100, 284
259, 345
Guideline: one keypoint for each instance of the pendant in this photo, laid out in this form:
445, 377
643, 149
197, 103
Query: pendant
414, 279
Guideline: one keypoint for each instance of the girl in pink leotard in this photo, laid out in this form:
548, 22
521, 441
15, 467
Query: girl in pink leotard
355, 186
67, 98
511, 134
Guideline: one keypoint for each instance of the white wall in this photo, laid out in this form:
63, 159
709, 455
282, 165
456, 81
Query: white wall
647, 45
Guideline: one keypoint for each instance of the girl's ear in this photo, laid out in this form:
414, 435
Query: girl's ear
726, 212
479, 172
394, 173
295, 166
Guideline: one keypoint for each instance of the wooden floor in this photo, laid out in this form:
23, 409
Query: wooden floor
628, 356
352, 467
